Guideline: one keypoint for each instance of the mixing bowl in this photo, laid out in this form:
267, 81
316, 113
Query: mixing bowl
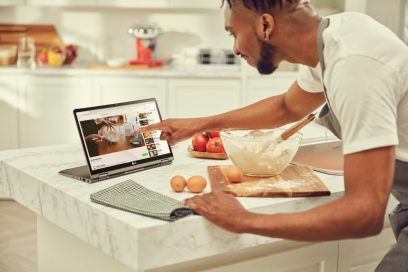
260, 152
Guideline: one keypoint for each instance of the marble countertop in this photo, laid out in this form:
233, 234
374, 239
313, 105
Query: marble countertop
30, 176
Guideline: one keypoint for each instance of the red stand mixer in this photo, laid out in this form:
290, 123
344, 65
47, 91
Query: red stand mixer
145, 45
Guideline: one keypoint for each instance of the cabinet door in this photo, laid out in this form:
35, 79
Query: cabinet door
121, 89
61, 2
134, 3
46, 115
258, 88
363, 255
203, 97
314, 258
9, 112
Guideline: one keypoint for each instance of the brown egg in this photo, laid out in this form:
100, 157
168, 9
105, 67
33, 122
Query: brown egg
234, 174
196, 184
178, 183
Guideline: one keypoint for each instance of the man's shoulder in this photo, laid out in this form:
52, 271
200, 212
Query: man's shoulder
350, 16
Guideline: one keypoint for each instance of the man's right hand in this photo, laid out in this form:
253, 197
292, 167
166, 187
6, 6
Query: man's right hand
176, 130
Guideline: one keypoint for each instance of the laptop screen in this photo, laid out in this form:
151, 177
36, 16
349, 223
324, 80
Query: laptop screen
109, 136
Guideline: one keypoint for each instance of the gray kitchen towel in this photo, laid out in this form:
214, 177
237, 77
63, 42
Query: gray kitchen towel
133, 197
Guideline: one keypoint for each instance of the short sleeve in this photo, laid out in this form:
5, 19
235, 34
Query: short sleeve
363, 93
309, 79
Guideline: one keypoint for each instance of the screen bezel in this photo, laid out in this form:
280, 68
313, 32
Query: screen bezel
128, 165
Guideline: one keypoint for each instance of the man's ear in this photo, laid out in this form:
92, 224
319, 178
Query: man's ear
265, 24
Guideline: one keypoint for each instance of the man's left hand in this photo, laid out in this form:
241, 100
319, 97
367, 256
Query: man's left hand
220, 208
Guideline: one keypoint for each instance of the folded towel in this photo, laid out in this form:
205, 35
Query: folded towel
133, 197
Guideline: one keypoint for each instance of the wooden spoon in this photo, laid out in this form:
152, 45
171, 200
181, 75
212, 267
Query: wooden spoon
297, 126
290, 131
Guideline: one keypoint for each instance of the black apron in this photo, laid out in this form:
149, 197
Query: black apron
396, 260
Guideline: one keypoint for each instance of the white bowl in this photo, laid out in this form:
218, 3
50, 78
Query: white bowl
260, 153
118, 62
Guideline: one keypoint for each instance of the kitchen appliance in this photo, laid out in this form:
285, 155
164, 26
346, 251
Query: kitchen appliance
145, 45
212, 56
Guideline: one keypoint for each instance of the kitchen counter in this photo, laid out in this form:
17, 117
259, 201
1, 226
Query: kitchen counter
30, 176
221, 71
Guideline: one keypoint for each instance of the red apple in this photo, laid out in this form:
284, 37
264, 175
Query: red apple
199, 142
213, 134
215, 145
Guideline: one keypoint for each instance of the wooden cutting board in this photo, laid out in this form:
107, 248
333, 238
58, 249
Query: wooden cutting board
45, 36
295, 181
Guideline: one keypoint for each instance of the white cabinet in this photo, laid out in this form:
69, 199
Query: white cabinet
61, 2
11, 2
134, 3
314, 258
9, 112
46, 109
202, 97
363, 255
120, 89
261, 87
207, 4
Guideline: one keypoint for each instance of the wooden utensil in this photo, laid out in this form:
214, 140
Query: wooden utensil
294, 181
289, 132
45, 36
297, 126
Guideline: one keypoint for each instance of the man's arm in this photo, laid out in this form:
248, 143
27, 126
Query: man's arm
359, 213
271, 112
268, 113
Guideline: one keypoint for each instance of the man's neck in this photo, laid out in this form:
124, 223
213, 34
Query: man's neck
300, 43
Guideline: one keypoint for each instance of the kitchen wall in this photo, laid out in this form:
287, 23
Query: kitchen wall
103, 31
406, 23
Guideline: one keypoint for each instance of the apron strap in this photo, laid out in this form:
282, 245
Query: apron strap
326, 115
324, 23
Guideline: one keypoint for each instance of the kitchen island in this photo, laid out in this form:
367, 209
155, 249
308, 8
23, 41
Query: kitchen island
75, 234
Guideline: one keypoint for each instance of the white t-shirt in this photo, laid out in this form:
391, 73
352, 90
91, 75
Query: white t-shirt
366, 79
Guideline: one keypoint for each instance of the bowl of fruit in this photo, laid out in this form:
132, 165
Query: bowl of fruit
56, 56
207, 145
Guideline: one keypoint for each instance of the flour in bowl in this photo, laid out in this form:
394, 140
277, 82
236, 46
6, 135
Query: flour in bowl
261, 153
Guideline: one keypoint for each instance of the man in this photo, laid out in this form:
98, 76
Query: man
360, 69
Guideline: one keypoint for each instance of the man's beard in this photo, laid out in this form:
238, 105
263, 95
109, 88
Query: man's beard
265, 64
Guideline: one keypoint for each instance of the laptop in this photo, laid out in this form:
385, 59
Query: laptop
111, 144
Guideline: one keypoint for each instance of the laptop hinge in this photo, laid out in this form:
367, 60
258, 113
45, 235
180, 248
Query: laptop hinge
103, 176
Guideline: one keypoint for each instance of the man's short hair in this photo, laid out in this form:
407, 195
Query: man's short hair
261, 6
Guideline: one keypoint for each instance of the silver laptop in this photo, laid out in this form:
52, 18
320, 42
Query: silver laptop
111, 143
